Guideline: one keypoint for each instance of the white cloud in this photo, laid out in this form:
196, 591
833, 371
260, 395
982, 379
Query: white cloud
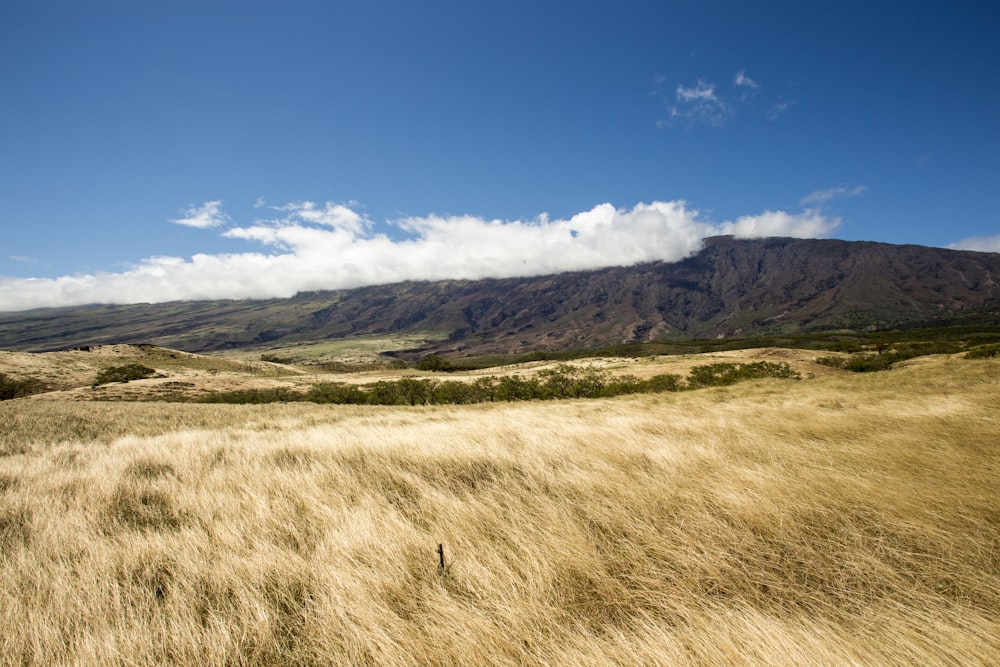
207, 215
809, 224
978, 243
332, 215
313, 247
742, 80
819, 197
703, 92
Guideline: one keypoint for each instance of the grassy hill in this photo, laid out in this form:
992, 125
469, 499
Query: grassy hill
841, 519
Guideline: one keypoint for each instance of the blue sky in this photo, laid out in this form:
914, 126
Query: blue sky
161, 149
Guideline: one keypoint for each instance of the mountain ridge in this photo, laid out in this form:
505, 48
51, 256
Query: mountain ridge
732, 287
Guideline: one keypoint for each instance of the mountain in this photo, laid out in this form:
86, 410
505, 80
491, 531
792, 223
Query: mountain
731, 288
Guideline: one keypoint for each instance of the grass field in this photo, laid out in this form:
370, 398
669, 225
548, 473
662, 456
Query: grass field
841, 519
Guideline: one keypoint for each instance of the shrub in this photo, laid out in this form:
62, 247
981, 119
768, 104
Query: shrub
566, 381
405, 391
124, 373
435, 364
557, 383
625, 384
662, 382
454, 393
862, 363
11, 388
832, 362
275, 359
722, 374
337, 392
254, 396
414, 392
984, 352
515, 388
869, 362
484, 389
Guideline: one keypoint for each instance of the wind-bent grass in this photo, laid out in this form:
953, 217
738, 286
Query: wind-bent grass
839, 520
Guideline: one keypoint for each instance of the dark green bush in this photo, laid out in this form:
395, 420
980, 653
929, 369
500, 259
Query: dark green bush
562, 382
622, 385
484, 389
832, 362
889, 354
413, 391
868, 363
984, 352
454, 393
862, 363
566, 381
337, 392
405, 391
722, 374
124, 373
516, 388
663, 382
11, 388
435, 364
254, 396
275, 359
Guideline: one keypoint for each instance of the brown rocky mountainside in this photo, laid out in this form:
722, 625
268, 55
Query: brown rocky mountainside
731, 288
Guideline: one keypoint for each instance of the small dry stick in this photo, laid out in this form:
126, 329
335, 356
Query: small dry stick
441, 556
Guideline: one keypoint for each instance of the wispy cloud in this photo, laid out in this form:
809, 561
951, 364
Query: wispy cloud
741, 80
819, 197
332, 246
703, 92
978, 243
22, 258
745, 87
699, 104
708, 104
778, 109
209, 214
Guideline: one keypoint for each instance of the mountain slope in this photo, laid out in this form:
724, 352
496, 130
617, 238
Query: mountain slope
732, 287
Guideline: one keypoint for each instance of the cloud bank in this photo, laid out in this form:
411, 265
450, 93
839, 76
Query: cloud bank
978, 243
306, 246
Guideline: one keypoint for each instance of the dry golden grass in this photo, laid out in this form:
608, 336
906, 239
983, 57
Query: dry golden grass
844, 519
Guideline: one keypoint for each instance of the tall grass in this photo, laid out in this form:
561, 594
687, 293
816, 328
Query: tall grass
838, 520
